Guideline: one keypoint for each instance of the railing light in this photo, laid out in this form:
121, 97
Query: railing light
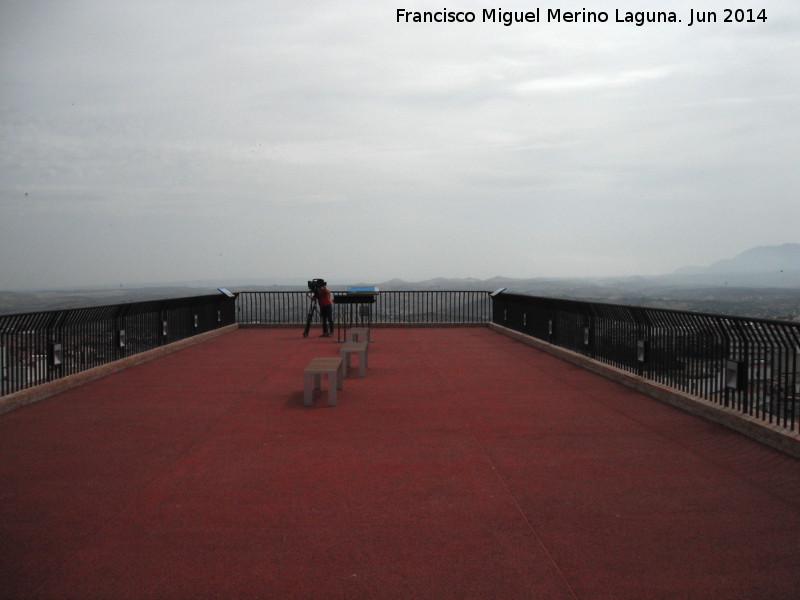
56, 352
641, 350
735, 375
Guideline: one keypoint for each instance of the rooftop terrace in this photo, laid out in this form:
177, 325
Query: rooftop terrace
465, 465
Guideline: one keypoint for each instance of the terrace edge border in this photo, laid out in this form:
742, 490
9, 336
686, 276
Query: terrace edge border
769, 434
389, 325
51, 388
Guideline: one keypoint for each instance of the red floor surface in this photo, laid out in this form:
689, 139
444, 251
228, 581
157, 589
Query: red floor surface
465, 465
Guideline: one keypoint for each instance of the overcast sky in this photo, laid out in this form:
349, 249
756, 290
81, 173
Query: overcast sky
175, 140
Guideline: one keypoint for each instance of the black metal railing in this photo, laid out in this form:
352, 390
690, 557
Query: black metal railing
39, 347
416, 307
751, 365
44, 346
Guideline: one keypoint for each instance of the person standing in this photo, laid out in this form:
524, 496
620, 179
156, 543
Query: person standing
325, 310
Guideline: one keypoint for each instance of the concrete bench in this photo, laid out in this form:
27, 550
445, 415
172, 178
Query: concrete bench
358, 334
350, 348
333, 367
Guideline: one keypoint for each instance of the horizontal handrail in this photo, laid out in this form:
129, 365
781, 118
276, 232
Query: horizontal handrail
750, 365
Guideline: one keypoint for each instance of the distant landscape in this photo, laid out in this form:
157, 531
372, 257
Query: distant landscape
762, 282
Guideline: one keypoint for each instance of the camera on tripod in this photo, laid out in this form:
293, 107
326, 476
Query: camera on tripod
315, 284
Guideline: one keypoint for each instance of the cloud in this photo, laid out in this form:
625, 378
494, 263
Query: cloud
445, 150
590, 81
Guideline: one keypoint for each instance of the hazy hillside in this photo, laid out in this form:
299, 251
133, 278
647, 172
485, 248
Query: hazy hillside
764, 265
760, 302
761, 282
21, 302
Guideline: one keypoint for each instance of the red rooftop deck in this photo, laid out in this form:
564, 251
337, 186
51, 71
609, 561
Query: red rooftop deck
465, 465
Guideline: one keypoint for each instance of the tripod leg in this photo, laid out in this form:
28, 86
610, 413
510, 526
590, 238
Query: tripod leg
311, 310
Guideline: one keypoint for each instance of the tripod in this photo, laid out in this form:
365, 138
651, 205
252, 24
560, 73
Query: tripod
311, 310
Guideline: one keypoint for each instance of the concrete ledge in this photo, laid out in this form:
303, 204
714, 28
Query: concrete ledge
40, 392
273, 326
431, 325
300, 326
766, 433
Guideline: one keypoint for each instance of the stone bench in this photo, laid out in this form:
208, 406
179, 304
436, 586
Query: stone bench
358, 334
350, 348
333, 367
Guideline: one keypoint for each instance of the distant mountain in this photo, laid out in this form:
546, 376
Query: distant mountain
762, 259
760, 267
